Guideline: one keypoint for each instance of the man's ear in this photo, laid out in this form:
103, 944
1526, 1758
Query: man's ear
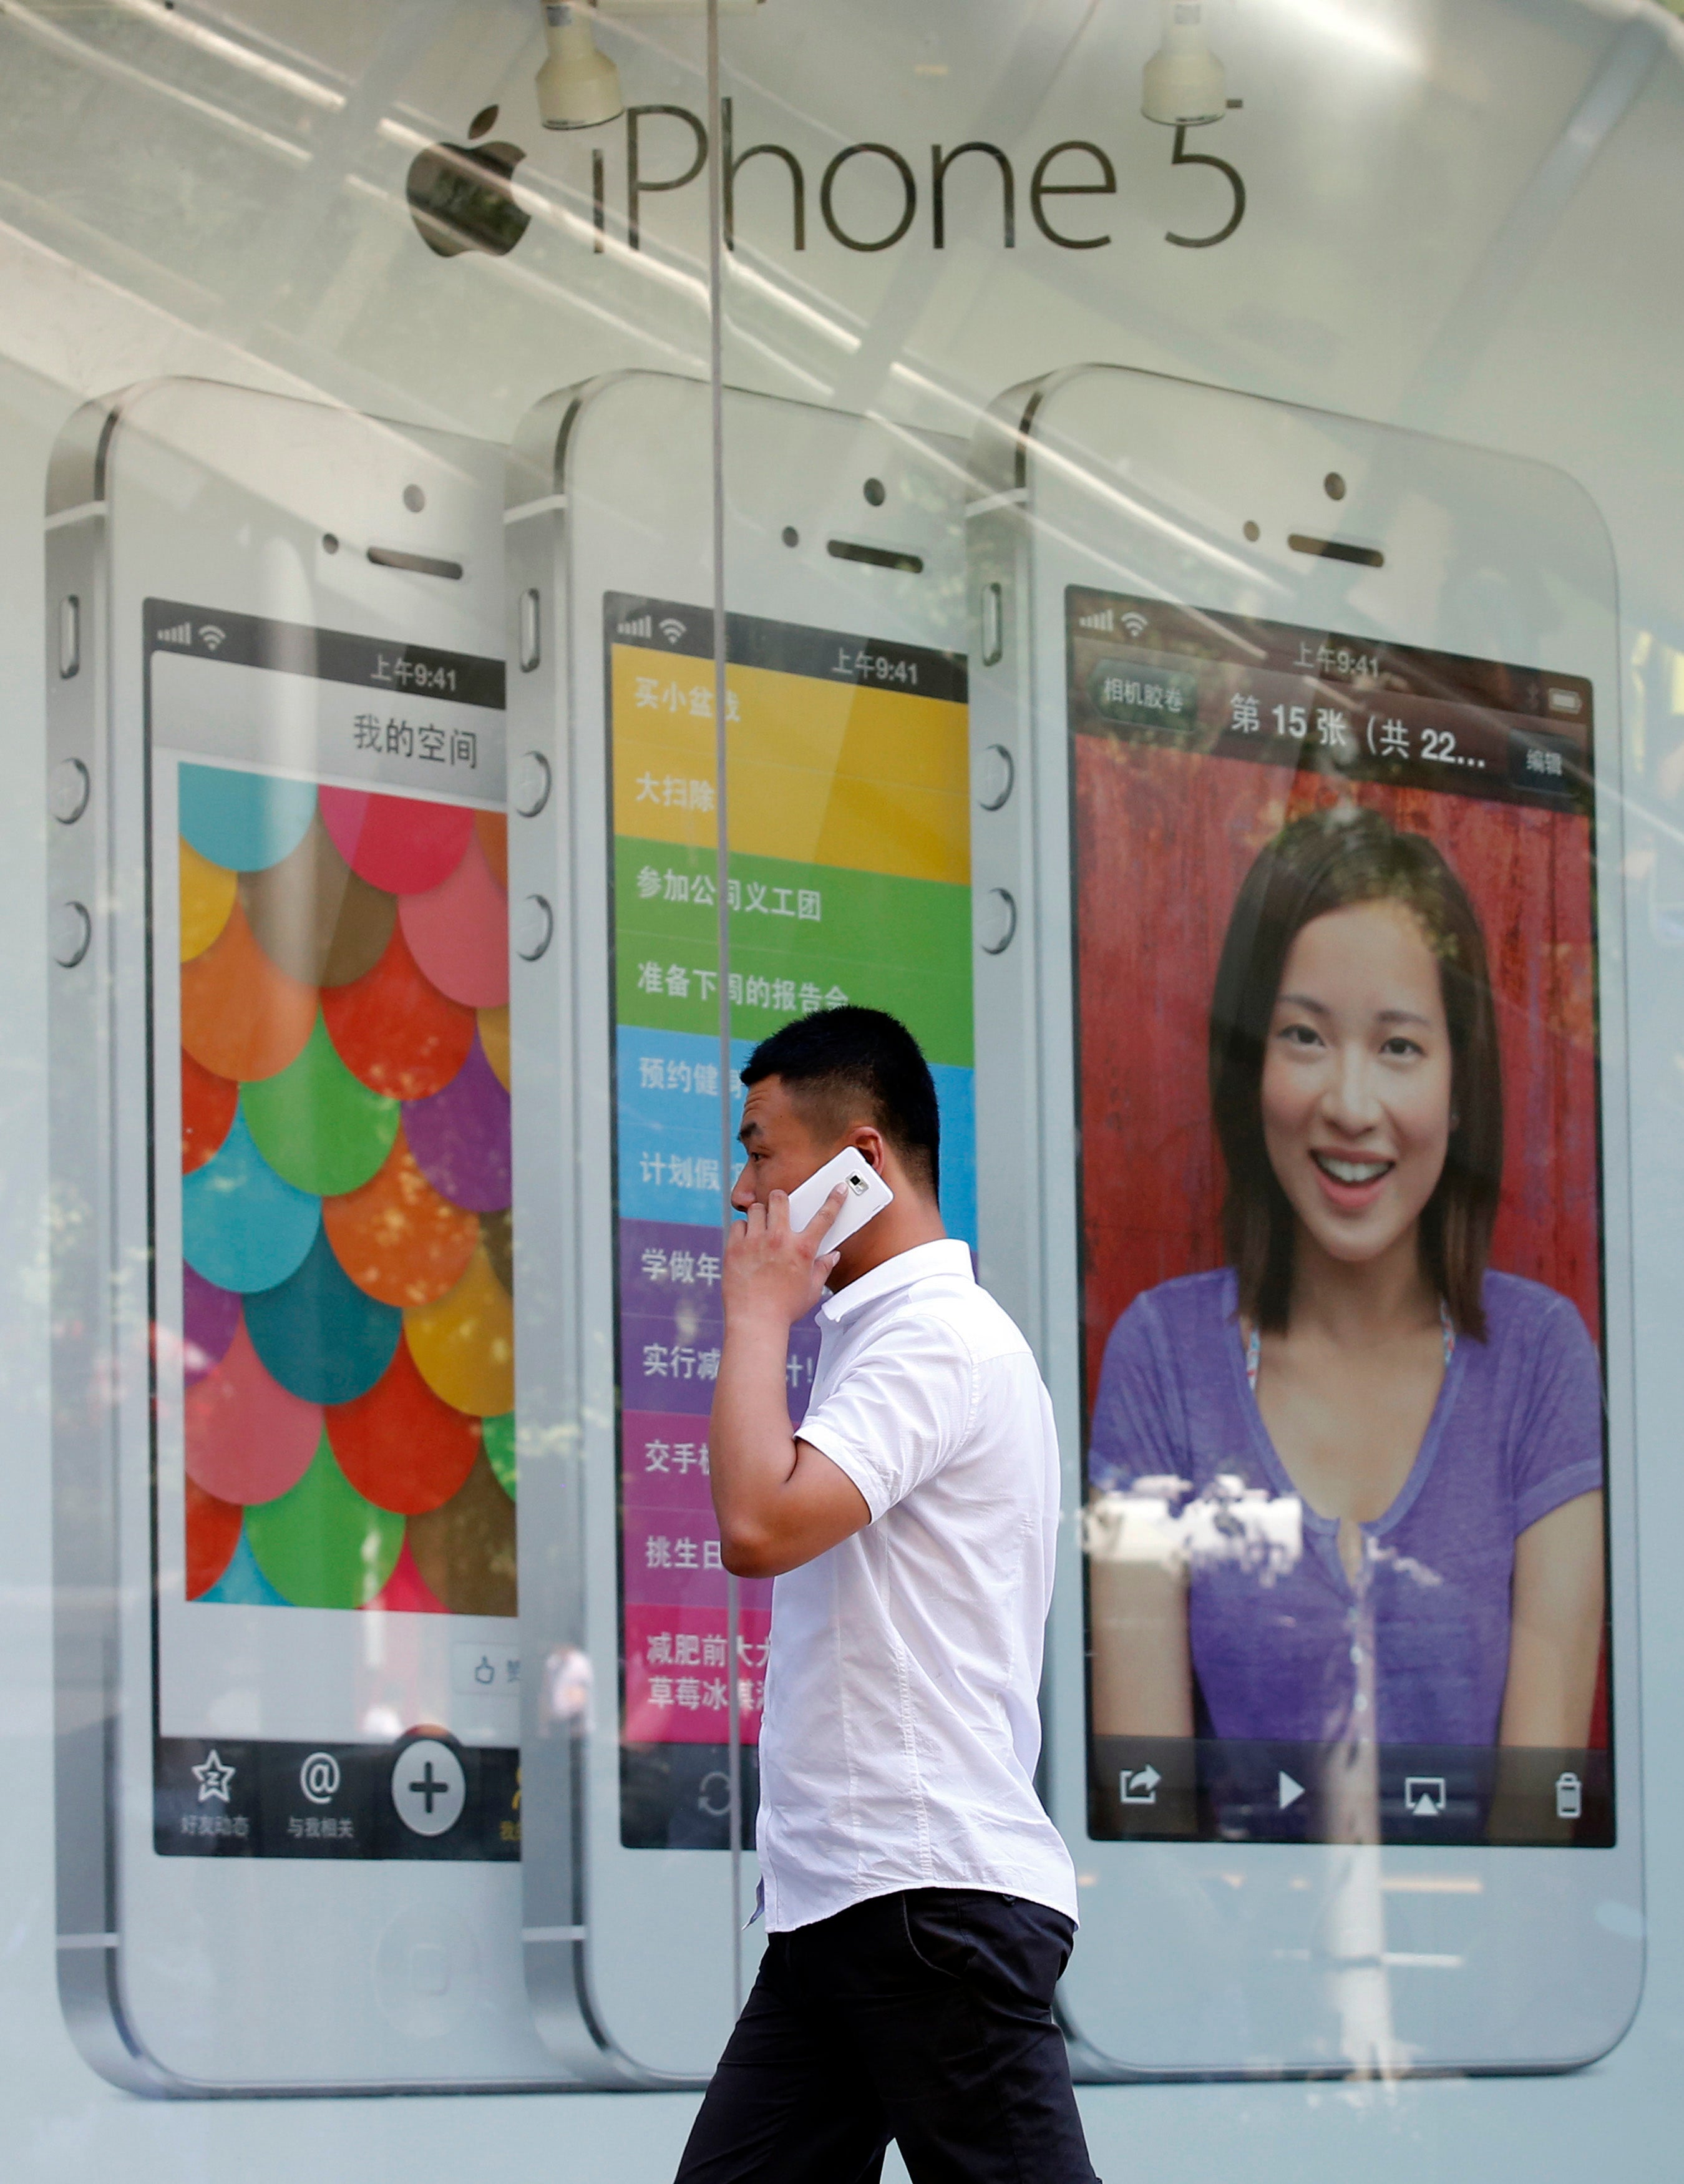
868, 1141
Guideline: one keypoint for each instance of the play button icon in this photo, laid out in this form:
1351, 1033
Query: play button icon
1290, 1791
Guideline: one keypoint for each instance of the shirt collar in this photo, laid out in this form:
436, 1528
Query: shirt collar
949, 1256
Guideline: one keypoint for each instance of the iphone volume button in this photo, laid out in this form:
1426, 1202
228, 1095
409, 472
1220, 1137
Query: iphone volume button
996, 920
70, 859
994, 777
70, 931
69, 786
530, 783
70, 847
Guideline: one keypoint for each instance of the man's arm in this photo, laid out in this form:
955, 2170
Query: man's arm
779, 1502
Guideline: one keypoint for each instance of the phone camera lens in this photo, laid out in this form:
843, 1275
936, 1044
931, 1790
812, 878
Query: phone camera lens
1253, 533
876, 492
1336, 486
791, 536
330, 544
414, 500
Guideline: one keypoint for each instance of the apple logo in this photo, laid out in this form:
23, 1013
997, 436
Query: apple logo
460, 196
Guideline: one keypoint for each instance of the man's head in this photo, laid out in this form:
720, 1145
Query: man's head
843, 1077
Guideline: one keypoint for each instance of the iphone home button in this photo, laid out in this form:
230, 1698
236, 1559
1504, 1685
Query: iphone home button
427, 1973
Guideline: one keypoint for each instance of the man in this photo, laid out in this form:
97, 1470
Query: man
920, 1905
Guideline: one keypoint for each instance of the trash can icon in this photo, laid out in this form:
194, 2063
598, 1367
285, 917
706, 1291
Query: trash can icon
1569, 1796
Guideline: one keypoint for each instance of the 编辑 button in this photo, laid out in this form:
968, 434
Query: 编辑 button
428, 1787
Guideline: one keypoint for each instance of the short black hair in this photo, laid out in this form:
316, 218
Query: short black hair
848, 1064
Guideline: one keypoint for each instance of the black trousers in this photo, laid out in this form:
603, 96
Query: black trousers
924, 2017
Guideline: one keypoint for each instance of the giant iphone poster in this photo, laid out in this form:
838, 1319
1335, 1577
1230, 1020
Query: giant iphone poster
849, 880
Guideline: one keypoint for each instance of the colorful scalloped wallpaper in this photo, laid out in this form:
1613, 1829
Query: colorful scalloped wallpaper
347, 1323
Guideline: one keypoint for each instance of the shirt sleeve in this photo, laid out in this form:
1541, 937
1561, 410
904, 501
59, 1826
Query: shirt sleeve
1558, 1445
1133, 1434
902, 1409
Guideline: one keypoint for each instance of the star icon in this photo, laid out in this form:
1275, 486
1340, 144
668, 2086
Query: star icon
213, 1775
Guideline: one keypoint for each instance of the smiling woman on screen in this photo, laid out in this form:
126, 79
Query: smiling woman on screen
1432, 1429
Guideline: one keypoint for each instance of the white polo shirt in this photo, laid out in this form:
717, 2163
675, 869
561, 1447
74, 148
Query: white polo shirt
901, 1728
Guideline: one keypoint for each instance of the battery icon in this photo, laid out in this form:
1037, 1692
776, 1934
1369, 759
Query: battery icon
1570, 702
1569, 1796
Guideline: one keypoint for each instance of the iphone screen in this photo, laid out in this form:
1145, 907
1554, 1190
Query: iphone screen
1340, 1226
849, 880
333, 1348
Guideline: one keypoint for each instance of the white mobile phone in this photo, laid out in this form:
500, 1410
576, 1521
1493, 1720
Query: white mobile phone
849, 880
1313, 1832
867, 1196
288, 1724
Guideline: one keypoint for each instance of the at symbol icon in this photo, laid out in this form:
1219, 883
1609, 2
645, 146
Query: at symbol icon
319, 1777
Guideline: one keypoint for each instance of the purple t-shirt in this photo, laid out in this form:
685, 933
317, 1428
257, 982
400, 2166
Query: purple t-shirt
1516, 1431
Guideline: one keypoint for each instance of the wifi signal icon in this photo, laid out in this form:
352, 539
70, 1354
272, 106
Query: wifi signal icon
671, 629
212, 638
1135, 624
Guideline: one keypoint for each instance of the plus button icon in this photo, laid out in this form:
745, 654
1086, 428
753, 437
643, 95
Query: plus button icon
429, 1797
430, 1788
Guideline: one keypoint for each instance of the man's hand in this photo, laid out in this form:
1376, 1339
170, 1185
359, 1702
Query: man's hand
780, 1500
774, 1273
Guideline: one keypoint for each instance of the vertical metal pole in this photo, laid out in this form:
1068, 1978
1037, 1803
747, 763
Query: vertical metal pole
715, 361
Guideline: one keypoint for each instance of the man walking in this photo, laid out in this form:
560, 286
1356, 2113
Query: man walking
920, 1906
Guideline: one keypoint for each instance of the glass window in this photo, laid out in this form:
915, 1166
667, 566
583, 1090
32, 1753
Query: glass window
546, 541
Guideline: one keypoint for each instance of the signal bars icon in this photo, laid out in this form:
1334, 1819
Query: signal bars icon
644, 626
1106, 620
181, 633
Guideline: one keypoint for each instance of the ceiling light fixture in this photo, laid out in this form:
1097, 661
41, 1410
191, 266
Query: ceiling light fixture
1184, 85
578, 87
